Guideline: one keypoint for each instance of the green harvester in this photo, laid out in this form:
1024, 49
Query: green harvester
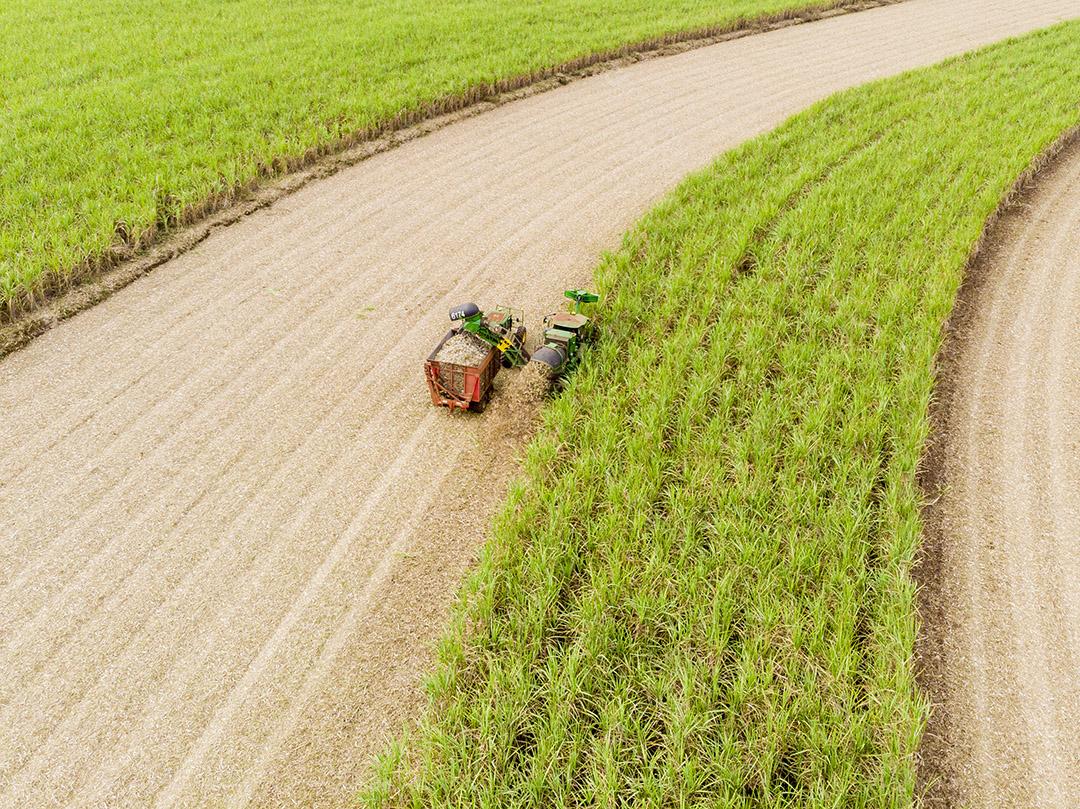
564, 333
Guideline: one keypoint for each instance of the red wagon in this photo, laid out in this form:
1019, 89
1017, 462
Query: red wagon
460, 386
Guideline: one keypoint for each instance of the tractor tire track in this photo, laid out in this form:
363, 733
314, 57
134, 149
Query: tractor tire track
232, 523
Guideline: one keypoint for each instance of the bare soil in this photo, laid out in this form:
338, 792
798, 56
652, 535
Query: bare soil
233, 523
1000, 576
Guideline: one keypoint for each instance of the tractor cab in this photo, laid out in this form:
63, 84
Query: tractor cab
565, 329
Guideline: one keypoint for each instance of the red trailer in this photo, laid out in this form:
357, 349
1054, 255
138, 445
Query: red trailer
460, 386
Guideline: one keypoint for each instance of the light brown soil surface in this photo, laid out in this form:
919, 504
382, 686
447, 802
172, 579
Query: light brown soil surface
1002, 601
232, 521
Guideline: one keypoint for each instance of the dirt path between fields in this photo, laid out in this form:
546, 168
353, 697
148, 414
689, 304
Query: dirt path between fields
1001, 592
232, 522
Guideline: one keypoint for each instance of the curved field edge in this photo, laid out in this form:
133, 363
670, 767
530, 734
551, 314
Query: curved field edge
73, 209
943, 743
700, 592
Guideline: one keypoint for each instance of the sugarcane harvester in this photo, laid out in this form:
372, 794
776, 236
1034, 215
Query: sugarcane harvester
564, 333
461, 370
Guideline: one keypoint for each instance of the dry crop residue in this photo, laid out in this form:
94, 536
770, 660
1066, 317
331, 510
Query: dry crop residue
530, 386
232, 521
1001, 585
514, 416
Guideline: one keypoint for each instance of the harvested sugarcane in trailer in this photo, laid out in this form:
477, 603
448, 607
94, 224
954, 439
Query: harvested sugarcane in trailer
462, 368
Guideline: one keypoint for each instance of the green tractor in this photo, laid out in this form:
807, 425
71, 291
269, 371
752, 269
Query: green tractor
501, 328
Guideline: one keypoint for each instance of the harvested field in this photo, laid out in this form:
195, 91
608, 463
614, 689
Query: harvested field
226, 496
